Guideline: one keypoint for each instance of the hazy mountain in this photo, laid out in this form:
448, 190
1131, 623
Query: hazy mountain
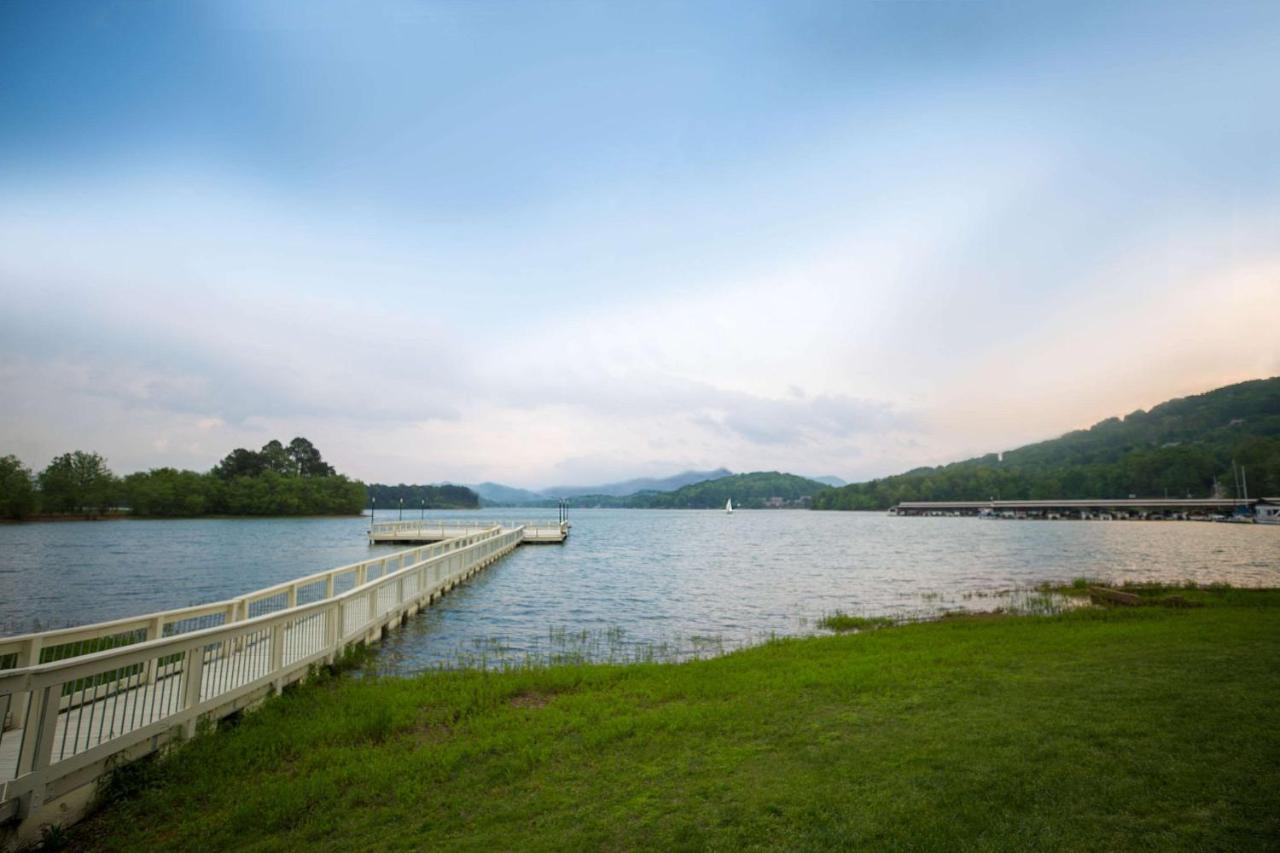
830, 480
496, 493
642, 484
748, 491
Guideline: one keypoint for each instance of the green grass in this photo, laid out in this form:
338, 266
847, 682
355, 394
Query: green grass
842, 622
1214, 594
1097, 729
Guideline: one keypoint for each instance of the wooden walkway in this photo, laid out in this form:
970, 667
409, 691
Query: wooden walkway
71, 701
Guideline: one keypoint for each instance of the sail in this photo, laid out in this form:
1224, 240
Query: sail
728, 505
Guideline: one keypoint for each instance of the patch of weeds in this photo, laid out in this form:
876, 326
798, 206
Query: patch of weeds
374, 727
360, 659
52, 837
842, 622
128, 779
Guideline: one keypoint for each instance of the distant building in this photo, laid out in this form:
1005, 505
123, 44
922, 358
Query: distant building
775, 503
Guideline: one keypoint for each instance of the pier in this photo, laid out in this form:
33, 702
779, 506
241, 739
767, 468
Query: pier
415, 531
75, 702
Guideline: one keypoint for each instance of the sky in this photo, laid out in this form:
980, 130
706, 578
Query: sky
567, 243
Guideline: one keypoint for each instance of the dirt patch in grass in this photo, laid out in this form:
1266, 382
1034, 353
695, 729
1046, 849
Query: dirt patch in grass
431, 733
531, 699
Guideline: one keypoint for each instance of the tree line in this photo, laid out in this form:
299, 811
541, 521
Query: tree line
445, 496
279, 479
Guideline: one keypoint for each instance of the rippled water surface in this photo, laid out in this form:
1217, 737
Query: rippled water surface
686, 581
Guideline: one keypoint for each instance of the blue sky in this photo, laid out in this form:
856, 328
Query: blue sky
547, 243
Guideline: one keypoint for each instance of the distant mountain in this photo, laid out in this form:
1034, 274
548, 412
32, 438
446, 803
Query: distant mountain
642, 484
830, 481
748, 491
496, 493
1183, 447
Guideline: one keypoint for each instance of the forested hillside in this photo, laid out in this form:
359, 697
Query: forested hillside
748, 491
1179, 448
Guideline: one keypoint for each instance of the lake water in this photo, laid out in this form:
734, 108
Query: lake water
627, 582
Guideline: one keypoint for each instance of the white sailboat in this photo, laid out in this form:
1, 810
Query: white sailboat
728, 506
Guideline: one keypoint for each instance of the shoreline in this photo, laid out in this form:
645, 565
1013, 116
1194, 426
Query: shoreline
1105, 725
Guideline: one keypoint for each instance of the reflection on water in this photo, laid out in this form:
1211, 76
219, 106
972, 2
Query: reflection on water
628, 584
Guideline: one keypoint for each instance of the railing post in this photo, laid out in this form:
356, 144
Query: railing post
277, 648
328, 586
36, 750
155, 630
293, 596
28, 655
332, 621
236, 611
193, 680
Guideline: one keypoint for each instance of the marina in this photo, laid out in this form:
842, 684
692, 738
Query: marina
1263, 510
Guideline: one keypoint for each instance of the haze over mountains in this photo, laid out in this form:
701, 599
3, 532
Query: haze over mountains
640, 484
497, 493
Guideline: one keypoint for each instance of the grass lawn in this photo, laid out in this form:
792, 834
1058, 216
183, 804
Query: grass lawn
1120, 729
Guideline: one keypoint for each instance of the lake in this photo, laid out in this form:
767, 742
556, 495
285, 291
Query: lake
628, 582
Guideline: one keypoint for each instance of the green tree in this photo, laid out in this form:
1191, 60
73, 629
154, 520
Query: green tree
239, 463
276, 459
17, 493
78, 482
306, 459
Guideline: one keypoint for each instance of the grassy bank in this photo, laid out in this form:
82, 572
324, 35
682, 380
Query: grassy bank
1097, 729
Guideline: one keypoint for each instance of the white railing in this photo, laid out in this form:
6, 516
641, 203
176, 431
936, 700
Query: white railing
535, 531
78, 712
453, 526
45, 646
419, 527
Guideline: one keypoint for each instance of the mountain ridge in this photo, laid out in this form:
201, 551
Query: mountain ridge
633, 486
1184, 446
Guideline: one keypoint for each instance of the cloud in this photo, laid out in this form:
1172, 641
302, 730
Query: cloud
546, 259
